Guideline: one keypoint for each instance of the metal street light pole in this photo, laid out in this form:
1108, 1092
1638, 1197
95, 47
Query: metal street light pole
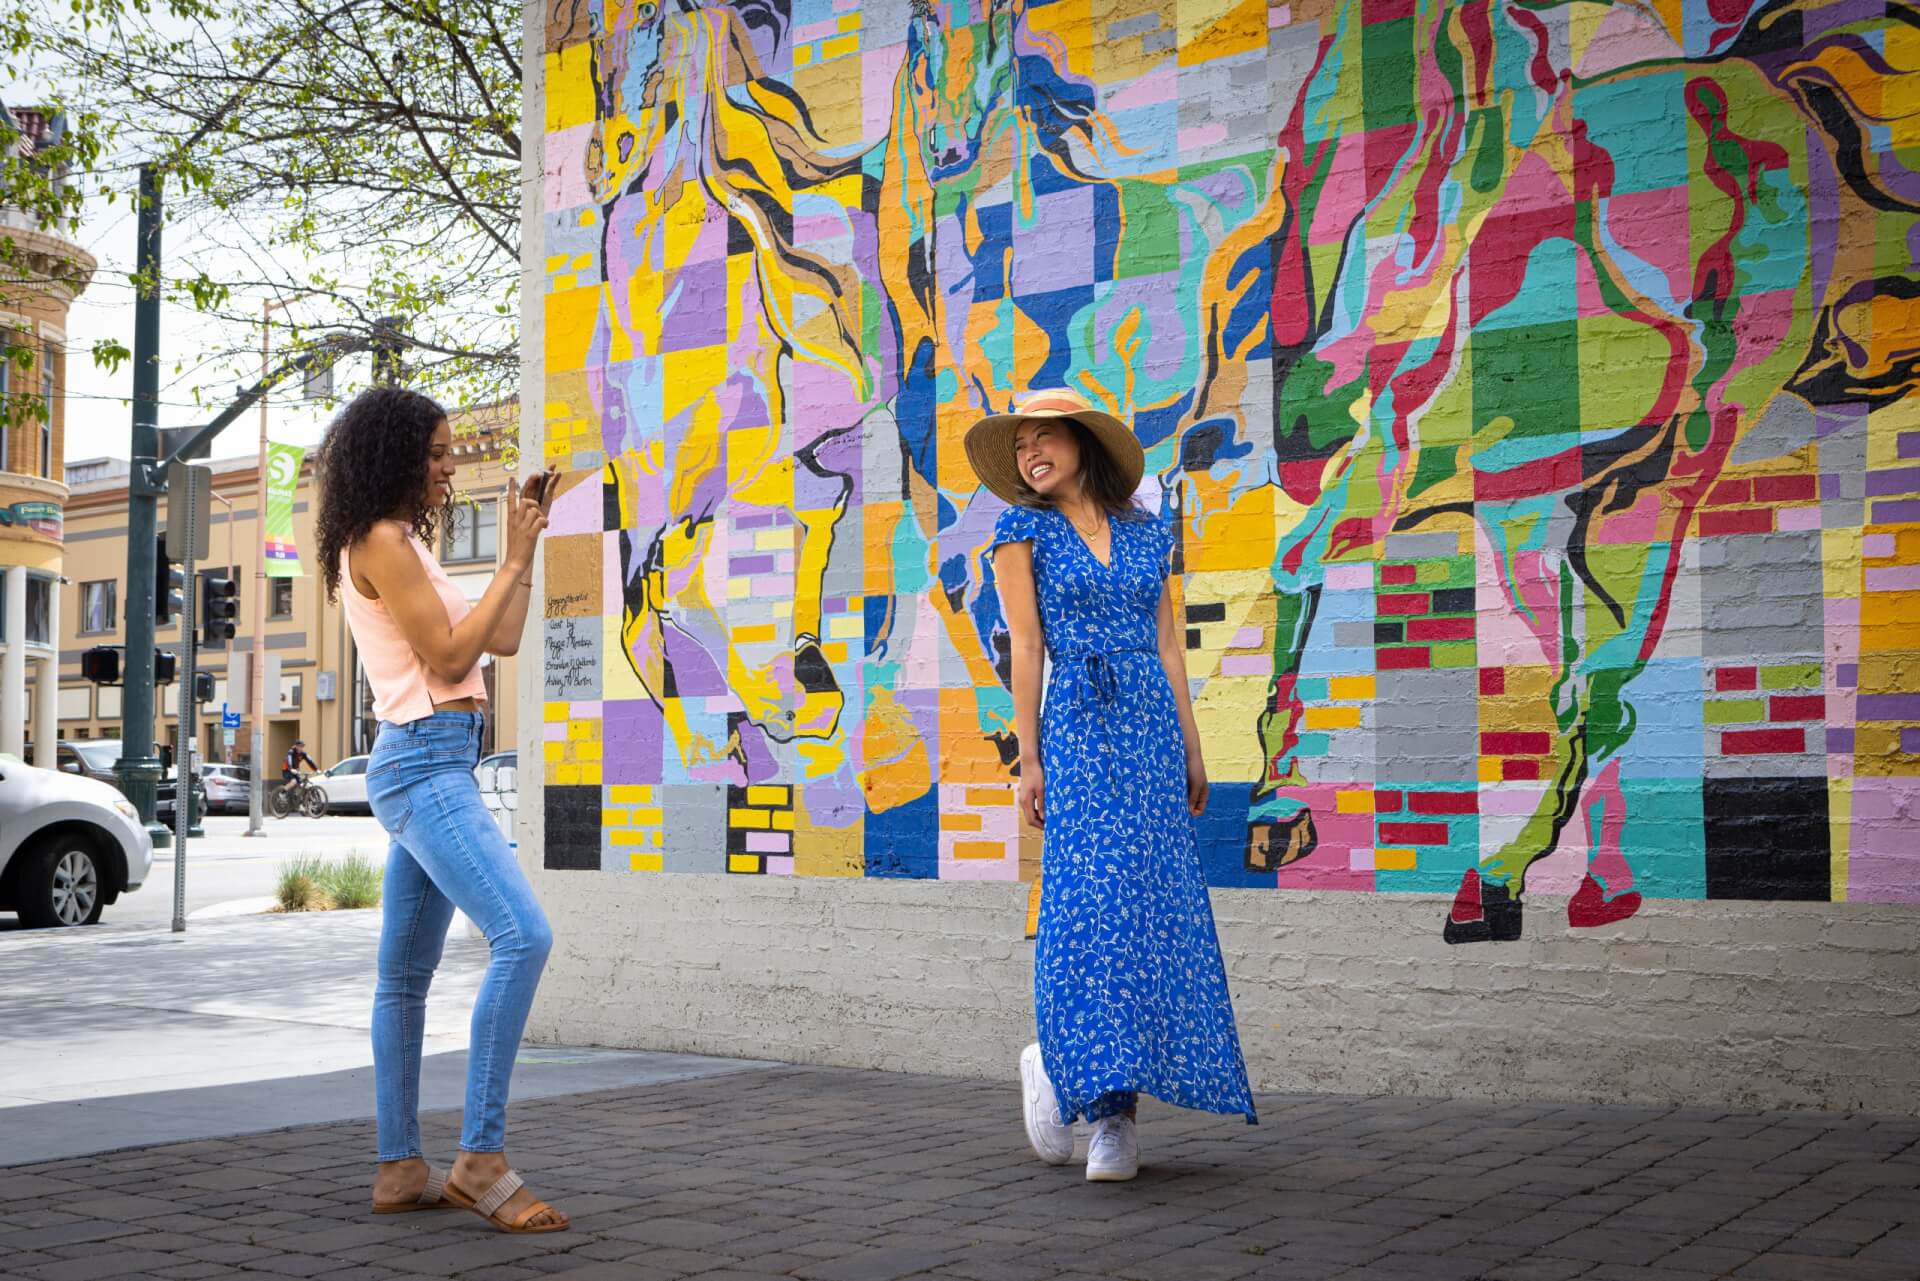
138, 768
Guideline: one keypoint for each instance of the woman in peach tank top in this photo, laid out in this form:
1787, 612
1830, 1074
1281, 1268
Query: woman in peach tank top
386, 473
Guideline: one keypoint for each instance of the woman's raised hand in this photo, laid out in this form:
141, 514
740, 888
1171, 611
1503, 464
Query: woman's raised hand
525, 518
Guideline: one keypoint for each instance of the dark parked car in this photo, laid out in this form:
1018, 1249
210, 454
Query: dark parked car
94, 758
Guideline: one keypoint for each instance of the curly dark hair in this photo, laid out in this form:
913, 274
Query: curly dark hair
372, 465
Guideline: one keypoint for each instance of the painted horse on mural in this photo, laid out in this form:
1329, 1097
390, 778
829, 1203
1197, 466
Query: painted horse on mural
1525, 218
702, 154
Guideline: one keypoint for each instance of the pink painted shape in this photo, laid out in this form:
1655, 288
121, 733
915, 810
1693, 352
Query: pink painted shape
1639, 524
1150, 90
1644, 221
780, 866
1503, 632
1800, 518
1330, 866
1624, 38
1883, 864
769, 843
1350, 577
1874, 546
1893, 578
1246, 665
579, 509
1248, 638
565, 164
586, 710
1763, 321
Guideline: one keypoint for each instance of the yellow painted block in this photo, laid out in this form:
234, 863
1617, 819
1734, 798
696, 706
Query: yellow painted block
835, 651
839, 46
767, 795
1489, 769
567, 775
979, 850
848, 21
743, 863
1356, 802
587, 751
802, 55
627, 836
630, 794
1357, 689
1242, 29
746, 818
646, 862
848, 627
553, 751
649, 816
570, 98
557, 711
756, 634
577, 730
613, 817
1395, 860
773, 540
1332, 718
783, 820
959, 822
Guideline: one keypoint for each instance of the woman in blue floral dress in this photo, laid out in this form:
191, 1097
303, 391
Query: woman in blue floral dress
1129, 990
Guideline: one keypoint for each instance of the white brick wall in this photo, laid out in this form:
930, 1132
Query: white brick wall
1743, 1004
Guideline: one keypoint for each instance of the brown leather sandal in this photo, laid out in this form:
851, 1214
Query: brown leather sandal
432, 1197
487, 1206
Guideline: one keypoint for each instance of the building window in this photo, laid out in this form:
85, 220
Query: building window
97, 606
475, 534
39, 624
46, 421
281, 602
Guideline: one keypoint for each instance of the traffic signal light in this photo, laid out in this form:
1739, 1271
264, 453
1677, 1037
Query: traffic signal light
218, 607
165, 664
203, 687
167, 583
101, 664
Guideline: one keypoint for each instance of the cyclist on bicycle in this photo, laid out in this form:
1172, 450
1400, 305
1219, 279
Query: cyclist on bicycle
290, 767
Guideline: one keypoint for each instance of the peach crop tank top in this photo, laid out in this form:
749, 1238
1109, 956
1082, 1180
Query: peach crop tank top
404, 687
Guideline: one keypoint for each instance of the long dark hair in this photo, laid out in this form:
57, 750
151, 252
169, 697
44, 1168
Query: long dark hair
372, 465
1100, 479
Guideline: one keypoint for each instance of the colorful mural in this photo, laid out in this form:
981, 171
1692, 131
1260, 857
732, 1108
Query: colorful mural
1529, 382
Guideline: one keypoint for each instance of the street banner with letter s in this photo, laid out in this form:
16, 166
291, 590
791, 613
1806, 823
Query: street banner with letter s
283, 476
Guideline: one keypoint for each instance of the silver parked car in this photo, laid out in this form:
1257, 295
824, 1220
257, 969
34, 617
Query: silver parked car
69, 845
345, 786
226, 787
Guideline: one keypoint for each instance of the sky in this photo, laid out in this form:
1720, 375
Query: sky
99, 408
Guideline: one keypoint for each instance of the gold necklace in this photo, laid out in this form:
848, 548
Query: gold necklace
1098, 525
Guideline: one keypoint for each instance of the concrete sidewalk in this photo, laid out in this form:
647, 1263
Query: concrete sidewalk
832, 1175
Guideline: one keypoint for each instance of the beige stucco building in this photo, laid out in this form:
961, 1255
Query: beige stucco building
45, 275
323, 699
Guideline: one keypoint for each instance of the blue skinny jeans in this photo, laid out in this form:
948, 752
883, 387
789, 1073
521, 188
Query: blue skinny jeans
446, 852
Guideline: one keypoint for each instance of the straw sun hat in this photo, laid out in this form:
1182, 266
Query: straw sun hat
990, 442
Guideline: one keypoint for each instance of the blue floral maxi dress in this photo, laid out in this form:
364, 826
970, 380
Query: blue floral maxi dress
1128, 986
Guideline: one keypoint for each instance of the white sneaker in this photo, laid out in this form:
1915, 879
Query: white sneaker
1052, 1141
1114, 1154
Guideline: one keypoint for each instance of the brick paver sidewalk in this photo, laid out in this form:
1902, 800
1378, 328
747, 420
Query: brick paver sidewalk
851, 1176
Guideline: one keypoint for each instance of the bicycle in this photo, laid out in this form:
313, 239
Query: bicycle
300, 795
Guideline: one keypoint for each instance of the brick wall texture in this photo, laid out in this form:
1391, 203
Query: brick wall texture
1527, 387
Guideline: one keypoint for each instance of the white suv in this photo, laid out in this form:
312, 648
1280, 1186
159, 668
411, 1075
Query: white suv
69, 845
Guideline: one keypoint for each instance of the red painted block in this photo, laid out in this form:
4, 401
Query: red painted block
1796, 707
1727, 679
1516, 743
1493, 680
1786, 489
1413, 833
1402, 657
1398, 575
1730, 491
1386, 802
1520, 771
1760, 742
1404, 603
1445, 802
1751, 520
1440, 629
